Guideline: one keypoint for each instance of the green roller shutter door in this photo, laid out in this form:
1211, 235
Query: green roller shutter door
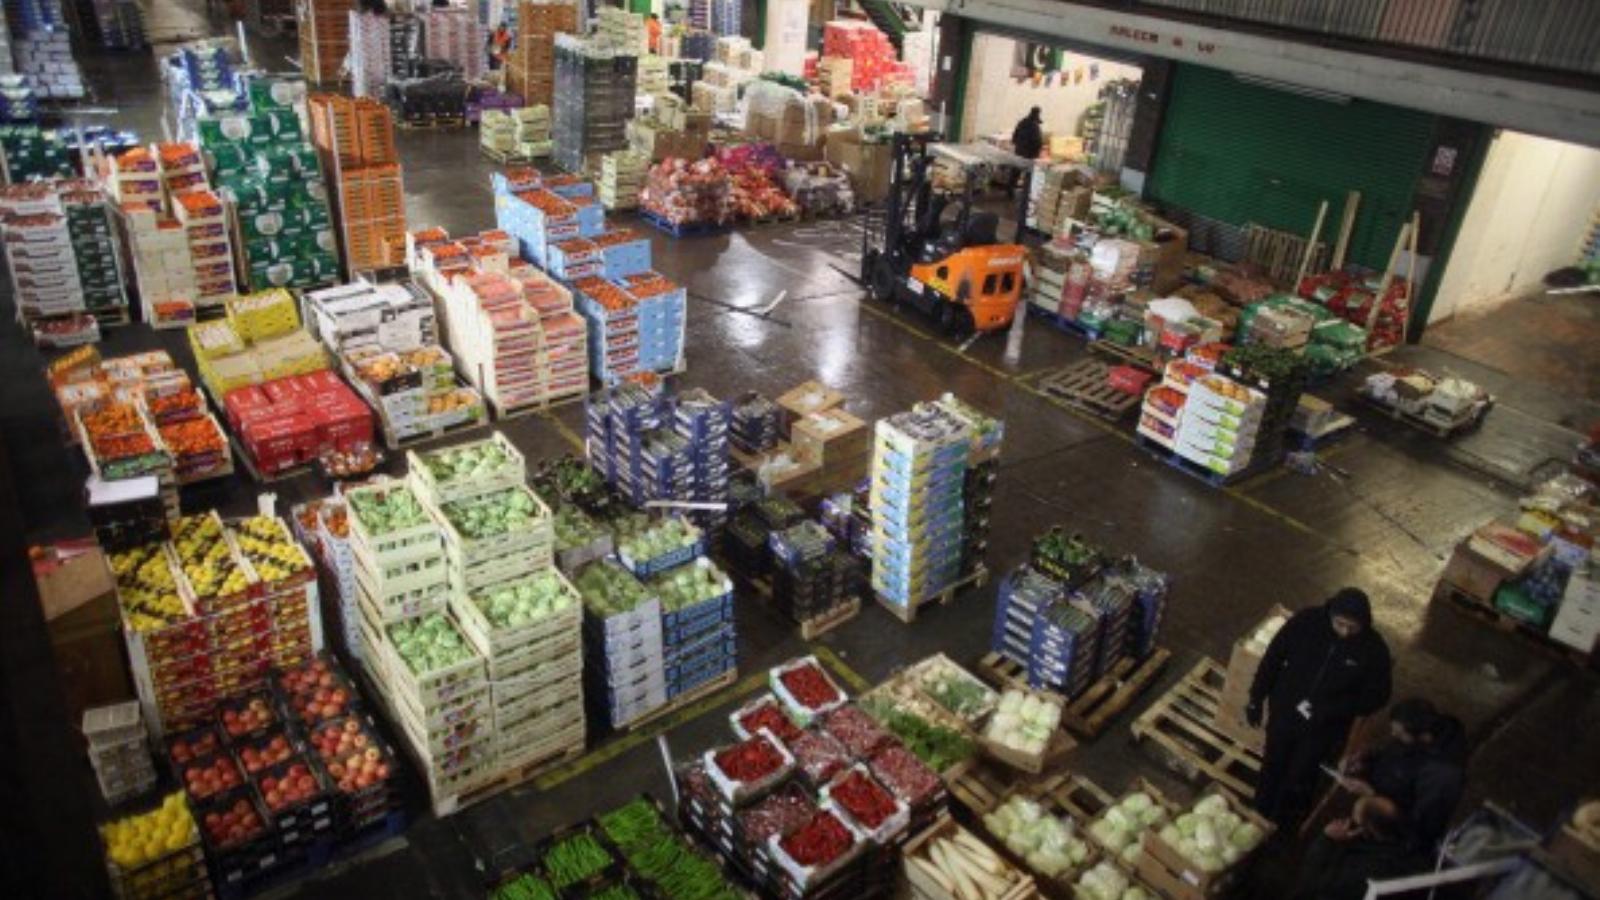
1242, 153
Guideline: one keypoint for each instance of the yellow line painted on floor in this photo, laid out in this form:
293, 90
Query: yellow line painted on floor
746, 686
1021, 382
567, 434
854, 680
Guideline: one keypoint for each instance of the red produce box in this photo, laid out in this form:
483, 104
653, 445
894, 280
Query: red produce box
1129, 380
241, 399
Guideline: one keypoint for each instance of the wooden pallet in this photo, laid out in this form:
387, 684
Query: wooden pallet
1428, 426
980, 785
1481, 612
1182, 724
697, 229
1175, 460
1138, 357
505, 158
397, 444
1072, 796
432, 123
1084, 385
532, 409
908, 614
817, 626
505, 781
1088, 714
721, 682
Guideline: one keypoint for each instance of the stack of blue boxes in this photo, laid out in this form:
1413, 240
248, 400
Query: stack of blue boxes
622, 658
698, 640
1055, 639
703, 420
757, 423
1149, 589
662, 318
552, 220
18, 102
1113, 602
611, 417
919, 465
652, 447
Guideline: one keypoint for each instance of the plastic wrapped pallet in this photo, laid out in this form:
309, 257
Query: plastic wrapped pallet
795, 123
594, 100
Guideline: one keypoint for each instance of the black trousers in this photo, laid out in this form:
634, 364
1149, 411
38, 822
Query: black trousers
1289, 773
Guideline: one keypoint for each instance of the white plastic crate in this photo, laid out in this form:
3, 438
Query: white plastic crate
513, 754
526, 664
512, 705
400, 541
556, 713
543, 673
112, 725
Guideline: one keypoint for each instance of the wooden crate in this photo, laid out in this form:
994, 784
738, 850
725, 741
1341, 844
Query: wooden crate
925, 887
1109, 696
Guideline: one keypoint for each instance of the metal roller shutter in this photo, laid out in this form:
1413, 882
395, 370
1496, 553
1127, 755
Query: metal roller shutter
1238, 152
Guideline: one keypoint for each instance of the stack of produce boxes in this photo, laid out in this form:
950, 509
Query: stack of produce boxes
205, 226
636, 324
264, 166
208, 612
814, 798
1277, 377
227, 360
873, 61
698, 643
540, 219
158, 249
623, 663
519, 613
622, 178
120, 443
94, 245
39, 253
594, 96
918, 469
415, 392
289, 422
190, 433
356, 140
119, 751
652, 448
811, 577
531, 66
324, 27
455, 36
371, 53
156, 853
431, 679
977, 491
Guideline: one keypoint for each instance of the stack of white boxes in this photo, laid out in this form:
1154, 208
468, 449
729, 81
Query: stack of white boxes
119, 751
623, 30
44, 270
455, 35
162, 268
370, 53
622, 179
654, 78
1219, 424
45, 56
403, 581
1577, 621
535, 661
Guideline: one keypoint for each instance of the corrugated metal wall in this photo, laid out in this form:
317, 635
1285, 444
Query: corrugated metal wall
1238, 153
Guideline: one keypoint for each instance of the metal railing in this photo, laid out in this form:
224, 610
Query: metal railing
1562, 35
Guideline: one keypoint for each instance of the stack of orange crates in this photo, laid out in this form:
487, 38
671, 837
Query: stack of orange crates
531, 66
324, 38
355, 138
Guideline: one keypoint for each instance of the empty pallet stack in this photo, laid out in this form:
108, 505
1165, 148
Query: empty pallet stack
324, 27
531, 65
594, 100
356, 138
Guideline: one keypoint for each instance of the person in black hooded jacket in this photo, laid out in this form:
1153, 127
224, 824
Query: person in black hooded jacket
1421, 767
1325, 668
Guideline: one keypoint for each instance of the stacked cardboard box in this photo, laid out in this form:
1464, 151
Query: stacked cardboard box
540, 218
455, 36
263, 165
636, 324
653, 80
833, 76
293, 421
240, 614
42, 49
371, 52
356, 141
39, 252
515, 609
672, 130
623, 656
795, 123
623, 30
205, 226
324, 27
622, 178
119, 751
873, 61
440, 702
653, 448
531, 65
95, 248
521, 133
593, 102
1241, 673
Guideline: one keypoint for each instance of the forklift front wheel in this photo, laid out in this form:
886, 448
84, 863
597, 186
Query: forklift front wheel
882, 285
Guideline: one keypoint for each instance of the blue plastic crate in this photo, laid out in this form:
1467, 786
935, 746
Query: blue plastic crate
695, 618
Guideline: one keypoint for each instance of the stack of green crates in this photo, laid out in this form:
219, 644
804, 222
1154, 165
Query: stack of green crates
262, 162
34, 152
94, 247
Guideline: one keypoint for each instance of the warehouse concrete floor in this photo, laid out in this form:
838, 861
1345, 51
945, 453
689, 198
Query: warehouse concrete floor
1382, 515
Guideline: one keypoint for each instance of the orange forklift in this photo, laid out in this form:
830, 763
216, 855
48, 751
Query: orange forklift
927, 249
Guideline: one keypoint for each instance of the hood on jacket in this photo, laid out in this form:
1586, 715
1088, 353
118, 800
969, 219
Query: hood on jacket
1351, 603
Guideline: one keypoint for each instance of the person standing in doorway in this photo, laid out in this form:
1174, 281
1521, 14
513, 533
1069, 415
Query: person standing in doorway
1325, 668
1027, 141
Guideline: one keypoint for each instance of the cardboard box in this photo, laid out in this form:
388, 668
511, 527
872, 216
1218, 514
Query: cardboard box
1473, 575
78, 598
1576, 856
867, 164
809, 397
829, 435
1577, 621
